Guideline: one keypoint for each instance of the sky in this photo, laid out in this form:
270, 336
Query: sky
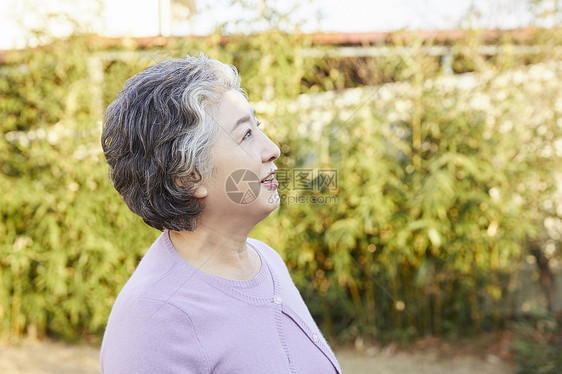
384, 15
141, 17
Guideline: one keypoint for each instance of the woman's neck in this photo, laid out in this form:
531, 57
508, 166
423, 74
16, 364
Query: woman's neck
220, 251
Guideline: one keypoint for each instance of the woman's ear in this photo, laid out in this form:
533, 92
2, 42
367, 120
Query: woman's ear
200, 191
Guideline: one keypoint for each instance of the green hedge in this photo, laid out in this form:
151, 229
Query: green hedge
438, 190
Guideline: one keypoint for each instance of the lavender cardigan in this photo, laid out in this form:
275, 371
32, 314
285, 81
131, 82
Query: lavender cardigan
172, 318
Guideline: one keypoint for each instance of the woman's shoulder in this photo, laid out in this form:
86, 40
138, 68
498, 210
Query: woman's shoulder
263, 248
159, 275
271, 255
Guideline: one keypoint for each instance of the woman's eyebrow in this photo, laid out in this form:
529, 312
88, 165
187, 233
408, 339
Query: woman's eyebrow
242, 120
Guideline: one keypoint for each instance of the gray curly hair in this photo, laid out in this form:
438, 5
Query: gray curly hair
157, 135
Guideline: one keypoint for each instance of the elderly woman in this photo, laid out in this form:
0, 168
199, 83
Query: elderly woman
186, 154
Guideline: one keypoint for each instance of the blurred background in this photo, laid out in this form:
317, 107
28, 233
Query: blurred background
439, 121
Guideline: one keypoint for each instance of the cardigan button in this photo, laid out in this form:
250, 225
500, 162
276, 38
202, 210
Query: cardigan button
315, 338
277, 299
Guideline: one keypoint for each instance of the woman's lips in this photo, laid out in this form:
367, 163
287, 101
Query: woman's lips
270, 184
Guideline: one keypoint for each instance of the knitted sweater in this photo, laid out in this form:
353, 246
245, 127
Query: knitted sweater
173, 318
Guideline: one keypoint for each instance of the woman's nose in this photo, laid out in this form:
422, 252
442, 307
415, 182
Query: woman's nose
271, 151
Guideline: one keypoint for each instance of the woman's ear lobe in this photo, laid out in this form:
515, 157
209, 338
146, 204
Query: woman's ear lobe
200, 192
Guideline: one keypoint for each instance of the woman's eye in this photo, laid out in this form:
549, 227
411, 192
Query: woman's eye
249, 132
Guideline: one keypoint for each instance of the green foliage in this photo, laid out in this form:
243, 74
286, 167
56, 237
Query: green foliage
439, 186
537, 347
65, 236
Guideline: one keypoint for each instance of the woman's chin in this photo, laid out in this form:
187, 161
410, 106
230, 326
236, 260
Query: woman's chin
269, 202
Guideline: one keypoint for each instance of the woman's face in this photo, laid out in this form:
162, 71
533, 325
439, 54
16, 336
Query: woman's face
243, 157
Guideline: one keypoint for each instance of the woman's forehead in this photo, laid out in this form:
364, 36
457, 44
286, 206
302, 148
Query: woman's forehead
234, 105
